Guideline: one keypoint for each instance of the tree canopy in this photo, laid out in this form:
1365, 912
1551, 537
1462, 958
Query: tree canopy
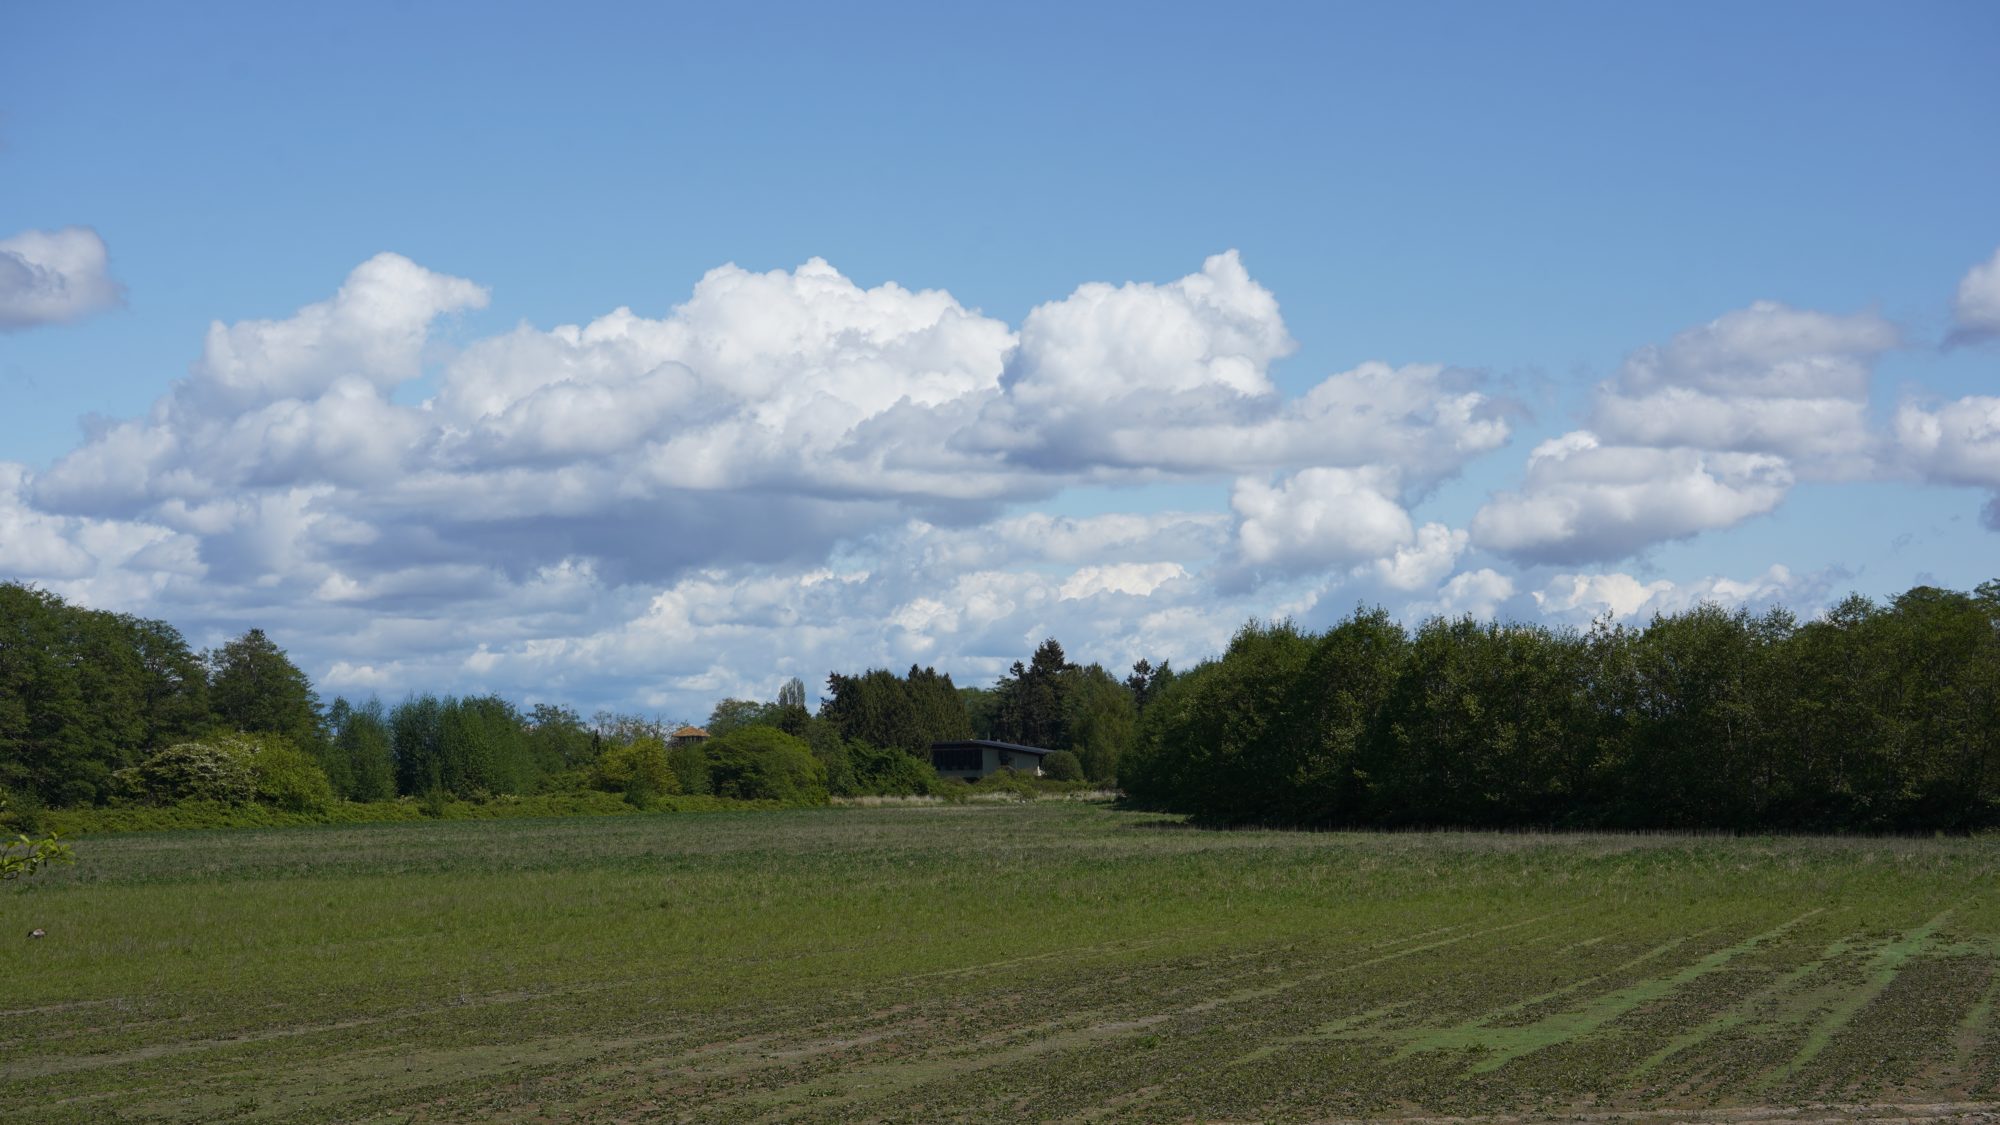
1874, 717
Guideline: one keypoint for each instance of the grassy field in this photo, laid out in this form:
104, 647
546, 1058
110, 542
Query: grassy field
1040, 962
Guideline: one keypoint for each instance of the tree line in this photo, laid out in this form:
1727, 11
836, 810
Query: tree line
1874, 717
101, 708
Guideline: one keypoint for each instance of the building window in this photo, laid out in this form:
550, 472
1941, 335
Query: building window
961, 760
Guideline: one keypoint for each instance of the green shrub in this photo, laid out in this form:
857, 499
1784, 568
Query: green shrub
190, 771
638, 770
1062, 766
285, 777
876, 772
231, 769
764, 763
21, 813
690, 765
578, 780
1009, 781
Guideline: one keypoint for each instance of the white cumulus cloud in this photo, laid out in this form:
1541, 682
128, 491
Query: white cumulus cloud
1577, 598
1474, 593
1766, 379
787, 472
1975, 311
1586, 501
1321, 516
52, 276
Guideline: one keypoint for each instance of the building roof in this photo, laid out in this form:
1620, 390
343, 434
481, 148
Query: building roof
988, 744
689, 732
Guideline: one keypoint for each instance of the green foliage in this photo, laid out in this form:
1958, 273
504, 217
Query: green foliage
84, 694
735, 714
284, 776
982, 710
21, 857
1062, 766
1009, 782
191, 771
876, 772
1032, 706
21, 814
638, 770
231, 769
464, 747
1146, 681
415, 740
905, 713
363, 749
1875, 718
764, 763
689, 761
558, 741
1101, 721
253, 686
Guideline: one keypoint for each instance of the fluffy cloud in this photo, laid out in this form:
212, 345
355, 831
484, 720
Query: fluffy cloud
1976, 310
51, 276
1700, 433
1766, 379
1321, 516
1593, 595
1585, 597
1475, 593
770, 416
1420, 563
1956, 443
1586, 501
1199, 342
789, 472
102, 562
785, 462
1138, 380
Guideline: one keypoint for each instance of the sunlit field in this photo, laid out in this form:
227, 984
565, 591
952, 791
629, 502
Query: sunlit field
1055, 961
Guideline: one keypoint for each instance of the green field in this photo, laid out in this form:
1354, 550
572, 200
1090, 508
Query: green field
1055, 961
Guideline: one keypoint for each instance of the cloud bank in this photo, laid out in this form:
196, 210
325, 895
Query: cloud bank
789, 473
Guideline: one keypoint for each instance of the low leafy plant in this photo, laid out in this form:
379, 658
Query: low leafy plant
22, 857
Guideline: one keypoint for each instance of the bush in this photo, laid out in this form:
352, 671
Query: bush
20, 813
285, 777
189, 771
1062, 766
690, 765
876, 772
1009, 781
765, 763
638, 770
233, 769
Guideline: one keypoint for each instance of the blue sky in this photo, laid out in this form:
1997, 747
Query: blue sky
1727, 244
